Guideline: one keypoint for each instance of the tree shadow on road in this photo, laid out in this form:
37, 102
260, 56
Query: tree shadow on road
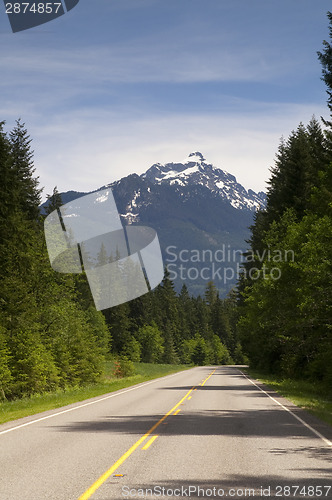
269, 423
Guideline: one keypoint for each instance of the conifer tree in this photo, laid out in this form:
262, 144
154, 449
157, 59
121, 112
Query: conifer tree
325, 58
23, 166
5, 373
186, 313
47, 338
8, 187
54, 201
285, 323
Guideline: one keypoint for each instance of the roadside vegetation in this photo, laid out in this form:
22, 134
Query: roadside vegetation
309, 395
285, 291
55, 346
118, 374
51, 335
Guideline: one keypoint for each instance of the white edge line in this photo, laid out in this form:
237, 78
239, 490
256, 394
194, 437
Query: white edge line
318, 434
87, 404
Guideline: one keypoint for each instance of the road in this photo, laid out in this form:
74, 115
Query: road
203, 433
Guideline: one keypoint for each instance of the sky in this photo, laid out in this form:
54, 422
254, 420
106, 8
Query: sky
114, 86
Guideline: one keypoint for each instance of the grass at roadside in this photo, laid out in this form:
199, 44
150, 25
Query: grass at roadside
11, 410
311, 396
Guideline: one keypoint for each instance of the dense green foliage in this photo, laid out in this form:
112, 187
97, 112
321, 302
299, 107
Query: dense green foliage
163, 327
286, 286
51, 335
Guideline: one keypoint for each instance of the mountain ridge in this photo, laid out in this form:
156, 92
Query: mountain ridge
190, 173
194, 207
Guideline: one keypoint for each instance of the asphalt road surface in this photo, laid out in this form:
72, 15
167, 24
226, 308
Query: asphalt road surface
203, 433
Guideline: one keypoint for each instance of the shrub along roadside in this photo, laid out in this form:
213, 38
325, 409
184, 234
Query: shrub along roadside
12, 410
311, 396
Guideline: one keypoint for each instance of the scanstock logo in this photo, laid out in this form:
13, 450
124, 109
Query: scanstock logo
121, 263
25, 14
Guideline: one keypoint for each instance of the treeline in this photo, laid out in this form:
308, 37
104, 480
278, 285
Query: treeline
286, 286
163, 327
51, 335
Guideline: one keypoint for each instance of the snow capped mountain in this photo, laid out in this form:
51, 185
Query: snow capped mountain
194, 206
194, 171
193, 177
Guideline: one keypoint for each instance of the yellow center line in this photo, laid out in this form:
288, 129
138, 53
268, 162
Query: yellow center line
149, 443
94, 487
177, 411
207, 378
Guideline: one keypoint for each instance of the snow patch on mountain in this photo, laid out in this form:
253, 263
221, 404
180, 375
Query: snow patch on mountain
195, 170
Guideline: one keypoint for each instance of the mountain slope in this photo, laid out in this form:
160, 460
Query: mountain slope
201, 215
195, 171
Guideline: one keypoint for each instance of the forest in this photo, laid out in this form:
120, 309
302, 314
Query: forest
285, 304
279, 318
51, 335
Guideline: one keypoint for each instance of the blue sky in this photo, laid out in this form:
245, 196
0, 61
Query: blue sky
114, 86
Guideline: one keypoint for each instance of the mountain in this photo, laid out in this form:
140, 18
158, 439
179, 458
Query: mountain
195, 171
200, 212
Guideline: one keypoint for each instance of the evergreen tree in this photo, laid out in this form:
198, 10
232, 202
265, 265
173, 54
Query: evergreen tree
54, 201
8, 187
119, 322
22, 164
5, 373
186, 314
325, 58
285, 323
201, 352
47, 338
167, 310
152, 344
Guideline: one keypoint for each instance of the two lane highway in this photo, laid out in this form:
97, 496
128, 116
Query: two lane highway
204, 432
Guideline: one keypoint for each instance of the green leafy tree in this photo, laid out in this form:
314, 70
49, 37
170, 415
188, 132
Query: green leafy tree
132, 349
219, 352
151, 341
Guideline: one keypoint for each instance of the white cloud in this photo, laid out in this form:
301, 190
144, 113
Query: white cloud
198, 59
83, 151
88, 131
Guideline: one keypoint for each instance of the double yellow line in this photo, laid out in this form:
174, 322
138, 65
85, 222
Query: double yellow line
90, 491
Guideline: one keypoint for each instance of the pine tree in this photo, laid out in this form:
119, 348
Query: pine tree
186, 313
211, 293
167, 310
47, 339
293, 175
5, 373
325, 58
54, 201
152, 343
8, 188
22, 164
